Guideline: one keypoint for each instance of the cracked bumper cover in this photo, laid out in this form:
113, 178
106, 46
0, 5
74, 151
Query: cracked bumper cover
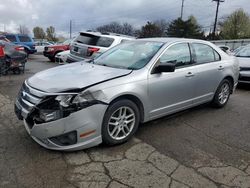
85, 120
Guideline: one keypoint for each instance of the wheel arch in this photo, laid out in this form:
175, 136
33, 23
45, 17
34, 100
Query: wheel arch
231, 80
134, 99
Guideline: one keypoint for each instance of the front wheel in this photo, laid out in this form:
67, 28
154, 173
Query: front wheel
222, 94
120, 122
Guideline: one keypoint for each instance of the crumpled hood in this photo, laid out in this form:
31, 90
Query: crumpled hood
73, 76
244, 61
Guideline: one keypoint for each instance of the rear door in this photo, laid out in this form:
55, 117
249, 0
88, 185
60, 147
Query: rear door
209, 71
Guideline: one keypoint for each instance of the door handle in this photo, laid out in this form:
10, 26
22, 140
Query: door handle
189, 74
221, 68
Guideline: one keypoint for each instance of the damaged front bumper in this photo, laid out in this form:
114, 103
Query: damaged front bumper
79, 130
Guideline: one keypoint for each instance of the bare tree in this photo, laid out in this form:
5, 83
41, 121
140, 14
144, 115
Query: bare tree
23, 29
39, 32
115, 27
51, 34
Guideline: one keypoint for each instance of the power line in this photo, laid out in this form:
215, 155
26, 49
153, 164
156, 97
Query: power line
216, 15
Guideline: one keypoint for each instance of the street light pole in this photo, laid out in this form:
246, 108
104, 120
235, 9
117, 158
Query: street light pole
216, 15
182, 7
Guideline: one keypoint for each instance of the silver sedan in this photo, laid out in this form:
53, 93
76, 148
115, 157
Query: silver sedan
243, 57
81, 105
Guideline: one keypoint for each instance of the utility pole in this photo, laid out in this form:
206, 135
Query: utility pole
70, 29
182, 7
216, 15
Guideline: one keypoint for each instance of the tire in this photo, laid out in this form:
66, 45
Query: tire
222, 94
52, 59
116, 122
27, 52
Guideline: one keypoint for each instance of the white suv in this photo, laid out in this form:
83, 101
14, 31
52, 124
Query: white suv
88, 45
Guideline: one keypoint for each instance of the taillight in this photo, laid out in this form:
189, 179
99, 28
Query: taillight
19, 48
92, 50
2, 54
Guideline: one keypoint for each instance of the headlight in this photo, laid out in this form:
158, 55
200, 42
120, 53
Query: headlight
82, 99
50, 49
64, 100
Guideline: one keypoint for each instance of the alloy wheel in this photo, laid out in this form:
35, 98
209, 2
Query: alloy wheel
121, 123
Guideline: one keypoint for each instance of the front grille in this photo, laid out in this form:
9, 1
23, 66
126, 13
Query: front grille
28, 99
45, 48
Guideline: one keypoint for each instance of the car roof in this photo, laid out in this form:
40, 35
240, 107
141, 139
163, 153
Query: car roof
107, 34
172, 39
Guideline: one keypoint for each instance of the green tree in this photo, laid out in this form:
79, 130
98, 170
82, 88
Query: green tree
150, 30
188, 29
39, 33
51, 34
236, 25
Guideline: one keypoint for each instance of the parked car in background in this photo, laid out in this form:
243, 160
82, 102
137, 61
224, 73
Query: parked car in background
83, 104
243, 57
24, 40
51, 51
15, 58
88, 45
61, 58
40, 46
2, 59
226, 49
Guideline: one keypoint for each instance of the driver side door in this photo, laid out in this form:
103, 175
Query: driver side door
170, 92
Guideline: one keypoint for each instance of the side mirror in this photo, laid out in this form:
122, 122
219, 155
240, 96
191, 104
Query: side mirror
166, 67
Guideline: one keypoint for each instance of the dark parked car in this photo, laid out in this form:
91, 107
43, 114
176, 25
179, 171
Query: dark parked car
14, 57
51, 51
23, 40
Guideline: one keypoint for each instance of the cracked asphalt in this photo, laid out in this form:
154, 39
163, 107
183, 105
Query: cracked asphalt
201, 147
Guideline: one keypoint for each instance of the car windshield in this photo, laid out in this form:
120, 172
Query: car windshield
244, 52
130, 55
67, 41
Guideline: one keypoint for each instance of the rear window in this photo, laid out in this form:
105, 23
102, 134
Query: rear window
11, 38
24, 39
94, 40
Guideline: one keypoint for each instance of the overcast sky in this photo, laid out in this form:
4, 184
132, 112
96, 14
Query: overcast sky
88, 14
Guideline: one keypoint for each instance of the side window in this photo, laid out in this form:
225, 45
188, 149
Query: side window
204, 53
178, 54
12, 38
216, 56
24, 39
104, 42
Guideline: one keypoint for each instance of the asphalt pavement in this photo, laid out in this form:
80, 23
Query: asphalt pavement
200, 147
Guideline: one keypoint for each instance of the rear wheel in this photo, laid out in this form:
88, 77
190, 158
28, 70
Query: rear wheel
27, 52
222, 94
52, 59
120, 122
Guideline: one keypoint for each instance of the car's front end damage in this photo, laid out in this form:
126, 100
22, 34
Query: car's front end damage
61, 121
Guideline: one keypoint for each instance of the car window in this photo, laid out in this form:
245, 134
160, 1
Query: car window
178, 54
104, 41
244, 52
129, 55
204, 53
216, 56
24, 39
93, 40
12, 38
